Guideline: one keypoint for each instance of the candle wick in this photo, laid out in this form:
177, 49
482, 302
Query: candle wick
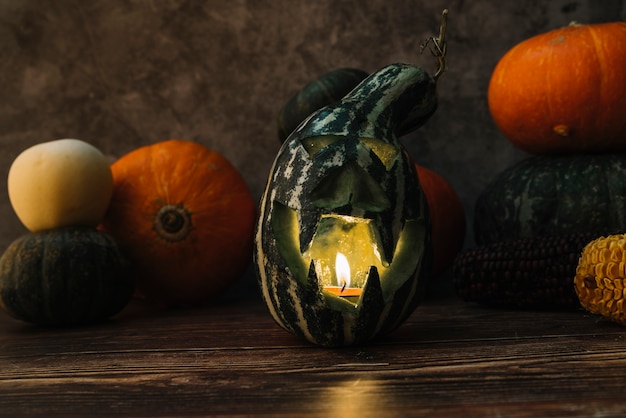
344, 286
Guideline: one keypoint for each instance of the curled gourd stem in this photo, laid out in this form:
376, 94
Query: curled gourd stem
438, 45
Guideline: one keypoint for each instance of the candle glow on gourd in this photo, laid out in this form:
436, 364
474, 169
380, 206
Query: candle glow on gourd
343, 250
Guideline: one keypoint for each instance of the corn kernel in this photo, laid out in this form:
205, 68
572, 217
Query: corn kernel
599, 270
612, 270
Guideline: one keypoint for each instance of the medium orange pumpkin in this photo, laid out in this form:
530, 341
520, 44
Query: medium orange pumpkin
564, 90
447, 217
185, 217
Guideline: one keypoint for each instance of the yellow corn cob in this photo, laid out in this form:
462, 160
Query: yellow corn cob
601, 275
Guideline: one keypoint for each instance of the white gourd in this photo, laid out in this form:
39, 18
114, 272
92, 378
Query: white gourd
66, 182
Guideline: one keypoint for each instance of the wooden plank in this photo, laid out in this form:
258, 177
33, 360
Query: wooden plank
450, 357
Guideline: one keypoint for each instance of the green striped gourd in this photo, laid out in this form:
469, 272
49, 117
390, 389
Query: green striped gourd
344, 169
343, 210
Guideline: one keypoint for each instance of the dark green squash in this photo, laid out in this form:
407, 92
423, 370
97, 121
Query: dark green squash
327, 88
62, 277
342, 184
553, 195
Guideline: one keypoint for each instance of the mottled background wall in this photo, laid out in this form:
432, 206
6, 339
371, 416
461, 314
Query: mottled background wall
124, 73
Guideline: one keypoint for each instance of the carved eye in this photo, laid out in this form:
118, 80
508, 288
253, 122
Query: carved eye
315, 144
387, 153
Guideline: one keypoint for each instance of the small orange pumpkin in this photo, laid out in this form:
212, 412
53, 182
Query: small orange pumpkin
564, 90
447, 217
185, 217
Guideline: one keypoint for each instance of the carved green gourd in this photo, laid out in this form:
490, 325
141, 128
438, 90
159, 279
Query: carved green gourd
342, 183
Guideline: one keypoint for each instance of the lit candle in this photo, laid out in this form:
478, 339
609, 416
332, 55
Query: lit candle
342, 269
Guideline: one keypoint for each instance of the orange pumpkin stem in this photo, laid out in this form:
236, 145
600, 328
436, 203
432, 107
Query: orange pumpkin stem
173, 223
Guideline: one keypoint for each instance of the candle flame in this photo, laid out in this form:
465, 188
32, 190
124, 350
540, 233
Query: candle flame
342, 269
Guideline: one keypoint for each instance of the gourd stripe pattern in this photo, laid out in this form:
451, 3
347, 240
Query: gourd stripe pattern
527, 273
328, 88
407, 84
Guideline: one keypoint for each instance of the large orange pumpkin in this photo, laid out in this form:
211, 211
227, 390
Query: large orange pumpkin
564, 90
447, 217
185, 217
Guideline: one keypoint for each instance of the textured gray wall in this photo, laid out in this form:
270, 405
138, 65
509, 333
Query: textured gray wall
124, 73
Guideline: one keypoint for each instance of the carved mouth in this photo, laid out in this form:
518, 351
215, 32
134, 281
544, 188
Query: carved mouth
358, 239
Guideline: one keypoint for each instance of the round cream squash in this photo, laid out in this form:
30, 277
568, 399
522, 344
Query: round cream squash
66, 182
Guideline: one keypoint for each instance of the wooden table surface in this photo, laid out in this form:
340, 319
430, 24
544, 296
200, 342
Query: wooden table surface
449, 359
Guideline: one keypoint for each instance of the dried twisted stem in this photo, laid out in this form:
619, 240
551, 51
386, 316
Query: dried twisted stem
438, 45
